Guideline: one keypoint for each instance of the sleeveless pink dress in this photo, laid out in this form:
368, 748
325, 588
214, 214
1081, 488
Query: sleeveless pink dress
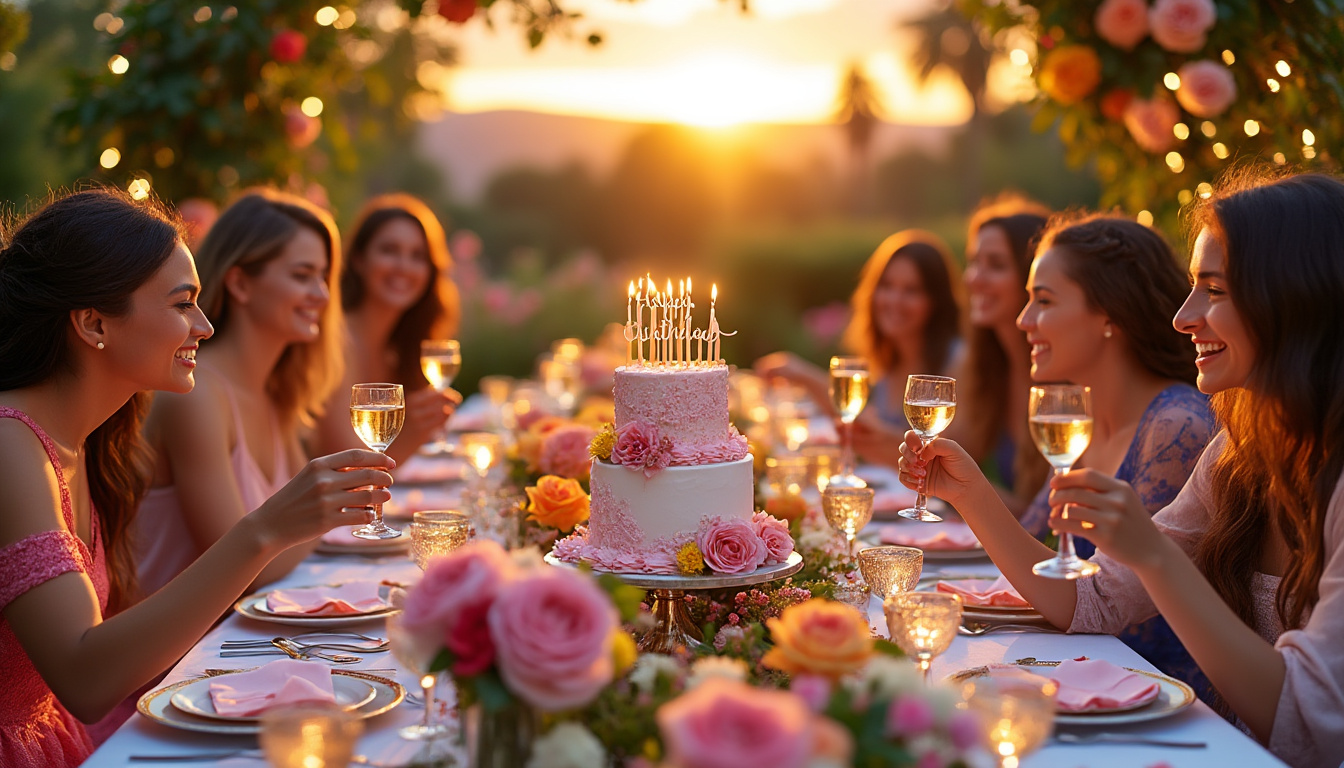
35, 730
163, 544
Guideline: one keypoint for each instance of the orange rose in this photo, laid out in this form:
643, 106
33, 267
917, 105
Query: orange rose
1070, 73
557, 502
819, 637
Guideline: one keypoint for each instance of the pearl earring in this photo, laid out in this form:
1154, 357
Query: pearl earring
101, 345
1107, 333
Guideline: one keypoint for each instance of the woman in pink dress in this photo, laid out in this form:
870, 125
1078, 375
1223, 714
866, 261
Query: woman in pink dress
1247, 563
97, 305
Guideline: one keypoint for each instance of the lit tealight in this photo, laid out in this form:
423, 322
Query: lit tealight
118, 64
326, 16
139, 189
110, 157
311, 106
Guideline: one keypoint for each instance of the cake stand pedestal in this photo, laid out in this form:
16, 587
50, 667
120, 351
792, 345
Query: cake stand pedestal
672, 629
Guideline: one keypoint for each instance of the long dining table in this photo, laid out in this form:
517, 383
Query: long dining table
1223, 744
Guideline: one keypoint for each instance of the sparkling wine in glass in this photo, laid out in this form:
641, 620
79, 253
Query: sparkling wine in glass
377, 412
930, 404
849, 395
440, 361
1060, 419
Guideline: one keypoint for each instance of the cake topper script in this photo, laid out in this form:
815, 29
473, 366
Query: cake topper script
673, 342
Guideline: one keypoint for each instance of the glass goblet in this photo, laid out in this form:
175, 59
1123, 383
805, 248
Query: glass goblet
849, 395
377, 414
890, 569
923, 624
417, 659
847, 510
305, 736
1017, 710
437, 532
1060, 419
930, 404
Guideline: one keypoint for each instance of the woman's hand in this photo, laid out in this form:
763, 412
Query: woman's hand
945, 468
1109, 513
427, 412
784, 365
328, 492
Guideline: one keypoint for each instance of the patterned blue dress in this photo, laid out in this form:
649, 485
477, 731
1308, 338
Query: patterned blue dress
1172, 434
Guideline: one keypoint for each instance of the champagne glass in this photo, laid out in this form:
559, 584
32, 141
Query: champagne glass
930, 404
849, 394
847, 510
1016, 709
412, 656
1060, 418
923, 624
377, 412
440, 361
562, 379
890, 569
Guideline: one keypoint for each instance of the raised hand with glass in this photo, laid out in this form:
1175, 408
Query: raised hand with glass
377, 413
930, 404
1060, 420
440, 361
849, 395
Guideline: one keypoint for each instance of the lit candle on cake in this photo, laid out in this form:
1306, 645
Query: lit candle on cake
681, 321
629, 318
639, 321
690, 305
667, 321
713, 325
653, 324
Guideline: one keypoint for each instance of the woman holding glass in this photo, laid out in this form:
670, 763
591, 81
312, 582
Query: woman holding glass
97, 306
267, 285
1245, 563
904, 319
397, 294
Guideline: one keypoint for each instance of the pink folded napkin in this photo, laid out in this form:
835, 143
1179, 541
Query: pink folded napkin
893, 499
985, 592
1096, 684
421, 469
932, 536
281, 683
349, 598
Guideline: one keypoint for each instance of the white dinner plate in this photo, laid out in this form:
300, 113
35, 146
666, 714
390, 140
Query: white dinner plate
350, 545
264, 607
194, 699
984, 614
157, 706
1173, 696
254, 607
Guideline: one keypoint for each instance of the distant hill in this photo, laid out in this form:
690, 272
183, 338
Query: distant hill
473, 147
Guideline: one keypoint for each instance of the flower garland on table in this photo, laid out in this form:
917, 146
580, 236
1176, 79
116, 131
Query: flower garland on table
1163, 96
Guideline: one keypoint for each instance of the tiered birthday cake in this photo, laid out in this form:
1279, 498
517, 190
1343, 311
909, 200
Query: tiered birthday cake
672, 483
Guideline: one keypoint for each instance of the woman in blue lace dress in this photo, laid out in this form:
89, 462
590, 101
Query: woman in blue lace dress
1102, 290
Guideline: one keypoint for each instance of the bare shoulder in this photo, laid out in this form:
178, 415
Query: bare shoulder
32, 491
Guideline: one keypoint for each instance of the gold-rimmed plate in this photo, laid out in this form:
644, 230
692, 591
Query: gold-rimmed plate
984, 614
1173, 697
194, 698
344, 543
254, 607
157, 706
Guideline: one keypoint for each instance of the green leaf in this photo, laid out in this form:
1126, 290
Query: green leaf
535, 37
443, 661
494, 696
625, 597
888, 648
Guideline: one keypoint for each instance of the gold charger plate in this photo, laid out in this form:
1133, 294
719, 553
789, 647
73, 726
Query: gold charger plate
194, 699
157, 706
1173, 696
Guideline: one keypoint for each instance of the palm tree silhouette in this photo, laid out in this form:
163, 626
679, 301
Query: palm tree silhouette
858, 112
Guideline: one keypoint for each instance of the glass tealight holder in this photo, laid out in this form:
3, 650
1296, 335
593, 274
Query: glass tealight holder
855, 594
1016, 710
890, 569
785, 477
435, 533
309, 736
823, 460
793, 433
923, 624
482, 450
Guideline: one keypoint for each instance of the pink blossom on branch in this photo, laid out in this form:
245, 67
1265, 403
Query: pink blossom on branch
1151, 121
1122, 23
1207, 88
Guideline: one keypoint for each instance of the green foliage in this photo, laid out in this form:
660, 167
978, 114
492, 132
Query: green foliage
1254, 35
13, 28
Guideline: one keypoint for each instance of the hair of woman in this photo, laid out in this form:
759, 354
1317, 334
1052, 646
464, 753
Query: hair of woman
1021, 222
1128, 272
1284, 240
250, 233
435, 315
90, 249
933, 261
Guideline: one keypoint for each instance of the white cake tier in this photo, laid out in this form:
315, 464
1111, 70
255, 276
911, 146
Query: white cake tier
630, 511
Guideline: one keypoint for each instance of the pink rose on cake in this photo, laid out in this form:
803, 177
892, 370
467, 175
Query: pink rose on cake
641, 446
564, 451
775, 534
731, 546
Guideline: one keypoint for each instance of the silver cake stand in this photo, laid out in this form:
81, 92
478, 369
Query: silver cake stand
673, 630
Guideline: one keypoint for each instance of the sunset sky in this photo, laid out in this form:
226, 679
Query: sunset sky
703, 62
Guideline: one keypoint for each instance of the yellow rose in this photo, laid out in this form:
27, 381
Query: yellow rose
819, 637
623, 651
1070, 73
557, 502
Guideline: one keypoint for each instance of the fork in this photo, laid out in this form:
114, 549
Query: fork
1121, 738
351, 647
975, 630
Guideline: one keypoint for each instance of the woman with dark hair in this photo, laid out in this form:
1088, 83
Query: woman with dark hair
1245, 564
267, 282
396, 292
904, 319
97, 305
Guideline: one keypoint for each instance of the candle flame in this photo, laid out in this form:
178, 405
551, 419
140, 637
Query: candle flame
669, 286
688, 285
713, 291
631, 293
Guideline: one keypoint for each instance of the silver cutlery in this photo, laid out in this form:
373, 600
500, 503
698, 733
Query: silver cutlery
292, 650
387, 674
1122, 738
303, 646
975, 630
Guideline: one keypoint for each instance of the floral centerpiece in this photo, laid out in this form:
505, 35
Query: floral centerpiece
1163, 95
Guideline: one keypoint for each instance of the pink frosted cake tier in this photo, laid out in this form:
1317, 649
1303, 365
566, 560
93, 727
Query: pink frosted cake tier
687, 406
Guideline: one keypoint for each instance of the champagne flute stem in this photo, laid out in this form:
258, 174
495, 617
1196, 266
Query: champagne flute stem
922, 498
1066, 552
428, 690
926, 668
847, 455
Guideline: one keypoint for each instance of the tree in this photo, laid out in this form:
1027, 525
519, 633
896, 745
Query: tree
858, 114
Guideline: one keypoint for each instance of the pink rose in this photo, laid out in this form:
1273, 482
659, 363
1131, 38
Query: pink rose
730, 546
775, 534
552, 632
814, 690
640, 446
909, 716
1207, 88
1150, 122
453, 598
1181, 25
964, 730
1122, 23
725, 723
564, 452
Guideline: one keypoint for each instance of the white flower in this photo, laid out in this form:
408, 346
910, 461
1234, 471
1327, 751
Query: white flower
527, 558
568, 745
649, 667
716, 666
815, 539
886, 677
